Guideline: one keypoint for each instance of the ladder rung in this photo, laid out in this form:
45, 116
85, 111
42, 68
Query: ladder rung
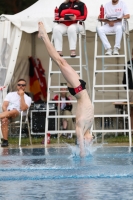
111, 90
110, 131
59, 72
107, 71
61, 131
60, 101
61, 116
120, 85
58, 91
114, 65
110, 56
110, 100
78, 66
112, 115
57, 86
69, 57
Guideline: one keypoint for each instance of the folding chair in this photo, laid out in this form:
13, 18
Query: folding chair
23, 120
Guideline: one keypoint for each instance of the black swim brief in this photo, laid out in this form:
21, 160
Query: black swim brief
78, 89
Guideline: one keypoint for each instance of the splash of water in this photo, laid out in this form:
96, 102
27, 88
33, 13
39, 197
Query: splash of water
89, 149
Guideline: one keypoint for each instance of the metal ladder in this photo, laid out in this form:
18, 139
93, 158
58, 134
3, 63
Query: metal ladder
56, 88
109, 88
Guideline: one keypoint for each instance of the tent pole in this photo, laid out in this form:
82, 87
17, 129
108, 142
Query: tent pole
13, 58
33, 45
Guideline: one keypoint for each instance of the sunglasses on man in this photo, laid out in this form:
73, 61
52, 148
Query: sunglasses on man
23, 85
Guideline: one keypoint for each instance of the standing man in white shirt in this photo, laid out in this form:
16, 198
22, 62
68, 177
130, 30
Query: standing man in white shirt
118, 10
14, 102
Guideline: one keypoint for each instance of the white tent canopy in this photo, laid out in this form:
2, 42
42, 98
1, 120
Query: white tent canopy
18, 41
43, 10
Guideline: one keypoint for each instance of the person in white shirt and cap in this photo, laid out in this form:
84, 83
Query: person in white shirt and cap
114, 10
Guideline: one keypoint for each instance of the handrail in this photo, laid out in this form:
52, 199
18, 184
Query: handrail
83, 24
125, 26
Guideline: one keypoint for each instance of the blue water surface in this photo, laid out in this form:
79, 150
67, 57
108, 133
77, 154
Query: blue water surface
106, 173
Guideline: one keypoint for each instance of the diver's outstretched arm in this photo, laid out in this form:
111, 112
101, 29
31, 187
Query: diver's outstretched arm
68, 72
80, 136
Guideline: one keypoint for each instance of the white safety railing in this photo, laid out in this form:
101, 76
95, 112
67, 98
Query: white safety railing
105, 88
51, 88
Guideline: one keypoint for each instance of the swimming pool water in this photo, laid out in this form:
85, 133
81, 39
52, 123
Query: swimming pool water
58, 174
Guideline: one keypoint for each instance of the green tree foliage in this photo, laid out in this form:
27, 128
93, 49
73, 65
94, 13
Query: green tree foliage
14, 6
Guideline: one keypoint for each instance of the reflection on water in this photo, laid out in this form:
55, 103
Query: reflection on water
59, 173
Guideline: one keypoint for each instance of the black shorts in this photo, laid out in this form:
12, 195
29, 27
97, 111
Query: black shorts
78, 89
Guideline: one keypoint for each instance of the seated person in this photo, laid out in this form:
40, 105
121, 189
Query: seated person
118, 9
14, 102
79, 11
66, 109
